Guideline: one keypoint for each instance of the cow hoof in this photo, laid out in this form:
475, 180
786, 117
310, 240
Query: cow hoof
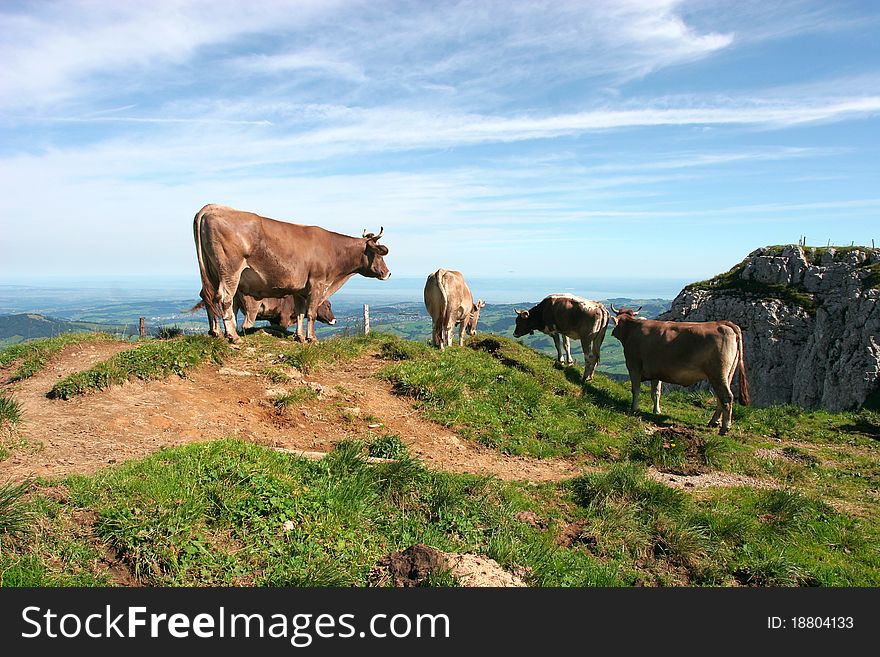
723, 431
716, 423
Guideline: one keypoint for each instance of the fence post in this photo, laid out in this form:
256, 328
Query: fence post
142, 328
366, 319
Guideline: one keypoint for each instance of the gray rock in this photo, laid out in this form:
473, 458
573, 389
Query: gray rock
822, 352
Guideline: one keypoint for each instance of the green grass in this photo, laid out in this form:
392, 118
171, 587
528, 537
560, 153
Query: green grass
15, 518
232, 513
149, 360
34, 354
311, 357
10, 410
736, 535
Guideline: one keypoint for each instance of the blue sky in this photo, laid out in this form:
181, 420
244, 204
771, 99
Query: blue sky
554, 139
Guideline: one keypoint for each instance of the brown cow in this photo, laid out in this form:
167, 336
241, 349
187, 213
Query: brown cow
683, 353
265, 257
449, 302
564, 316
282, 313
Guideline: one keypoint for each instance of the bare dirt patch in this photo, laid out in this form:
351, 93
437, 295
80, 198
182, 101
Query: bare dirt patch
415, 565
714, 479
138, 418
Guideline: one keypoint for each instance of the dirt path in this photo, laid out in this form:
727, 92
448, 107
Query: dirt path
438, 447
136, 419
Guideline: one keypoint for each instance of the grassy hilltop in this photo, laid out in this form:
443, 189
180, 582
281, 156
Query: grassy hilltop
788, 498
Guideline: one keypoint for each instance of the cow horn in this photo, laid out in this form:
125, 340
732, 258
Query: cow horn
381, 230
636, 311
365, 233
614, 310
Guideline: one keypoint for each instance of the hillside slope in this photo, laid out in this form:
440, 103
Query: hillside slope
212, 478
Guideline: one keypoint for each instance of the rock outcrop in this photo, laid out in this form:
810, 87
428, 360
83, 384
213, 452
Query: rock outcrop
810, 319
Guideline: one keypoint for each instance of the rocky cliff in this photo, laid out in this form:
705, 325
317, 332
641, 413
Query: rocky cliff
810, 320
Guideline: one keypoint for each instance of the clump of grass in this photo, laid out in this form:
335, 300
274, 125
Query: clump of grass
148, 361
394, 348
311, 357
277, 375
34, 354
15, 518
294, 397
10, 411
169, 332
388, 446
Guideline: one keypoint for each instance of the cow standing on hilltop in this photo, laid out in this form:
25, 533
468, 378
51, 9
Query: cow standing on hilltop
564, 316
449, 302
683, 353
266, 258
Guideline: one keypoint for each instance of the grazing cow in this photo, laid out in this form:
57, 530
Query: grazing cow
282, 313
449, 302
262, 257
564, 316
683, 353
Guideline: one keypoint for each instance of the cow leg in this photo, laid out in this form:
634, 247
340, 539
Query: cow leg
656, 386
566, 345
310, 332
635, 384
461, 334
724, 395
560, 358
224, 301
590, 359
300, 320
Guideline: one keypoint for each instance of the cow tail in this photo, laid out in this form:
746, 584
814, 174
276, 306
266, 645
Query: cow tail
208, 290
745, 396
195, 308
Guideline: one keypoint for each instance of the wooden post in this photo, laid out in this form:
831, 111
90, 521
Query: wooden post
142, 328
366, 319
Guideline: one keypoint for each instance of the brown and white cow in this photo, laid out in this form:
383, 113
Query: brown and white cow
564, 316
683, 353
450, 303
262, 257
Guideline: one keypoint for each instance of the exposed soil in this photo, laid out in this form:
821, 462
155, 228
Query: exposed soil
413, 566
708, 480
138, 418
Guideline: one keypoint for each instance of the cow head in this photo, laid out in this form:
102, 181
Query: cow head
373, 265
474, 317
526, 323
325, 313
621, 317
